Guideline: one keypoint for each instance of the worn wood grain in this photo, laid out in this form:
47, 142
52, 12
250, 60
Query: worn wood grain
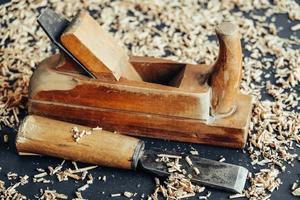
227, 71
228, 132
54, 101
123, 95
45, 136
176, 101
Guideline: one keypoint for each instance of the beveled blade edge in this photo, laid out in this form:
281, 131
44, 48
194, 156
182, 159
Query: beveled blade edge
241, 180
220, 175
225, 176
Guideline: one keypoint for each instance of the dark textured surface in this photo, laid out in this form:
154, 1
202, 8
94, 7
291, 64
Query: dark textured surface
122, 180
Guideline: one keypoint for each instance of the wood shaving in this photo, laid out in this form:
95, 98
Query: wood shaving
78, 135
83, 188
116, 195
176, 30
52, 195
196, 170
206, 196
41, 180
263, 182
168, 156
5, 138
56, 169
296, 192
11, 191
75, 165
40, 170
178, 185
78, 196
97, 128
83, 175
189, 161
194, 152
40, 175
157, 181
11, 175
296, 27
235, 196
294, 186
128, 194
66, 174
90, 179
84, 169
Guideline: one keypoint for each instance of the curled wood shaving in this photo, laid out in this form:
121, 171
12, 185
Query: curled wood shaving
178, 185
176, 30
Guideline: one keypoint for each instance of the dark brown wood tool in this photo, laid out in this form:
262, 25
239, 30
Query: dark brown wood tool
175, 101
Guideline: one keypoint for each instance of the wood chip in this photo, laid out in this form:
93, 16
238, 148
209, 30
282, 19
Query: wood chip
169, 156
296, 192
40, 175
5, 138
194, 152
97, 129
83, 188
52, 194
189, 161
157, 182
178, 184
235, 196
196, 170
128, 194
78, 195
274, 127
83, 169
116, 195
294, 186
296, 27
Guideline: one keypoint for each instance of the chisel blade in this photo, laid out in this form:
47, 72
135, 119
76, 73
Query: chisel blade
214, 174
54, 24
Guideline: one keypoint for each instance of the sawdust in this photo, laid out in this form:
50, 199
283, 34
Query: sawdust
11, 191
178, 184
179, 30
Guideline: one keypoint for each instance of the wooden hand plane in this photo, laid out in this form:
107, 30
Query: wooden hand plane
165, 99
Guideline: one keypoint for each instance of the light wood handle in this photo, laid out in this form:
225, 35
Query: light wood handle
226, 75
45, 136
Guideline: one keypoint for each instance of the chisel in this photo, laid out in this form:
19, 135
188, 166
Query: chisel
44, 136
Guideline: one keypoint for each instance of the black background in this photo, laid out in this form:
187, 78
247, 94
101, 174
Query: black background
119, 181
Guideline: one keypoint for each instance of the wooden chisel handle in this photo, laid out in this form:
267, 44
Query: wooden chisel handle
40, 135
